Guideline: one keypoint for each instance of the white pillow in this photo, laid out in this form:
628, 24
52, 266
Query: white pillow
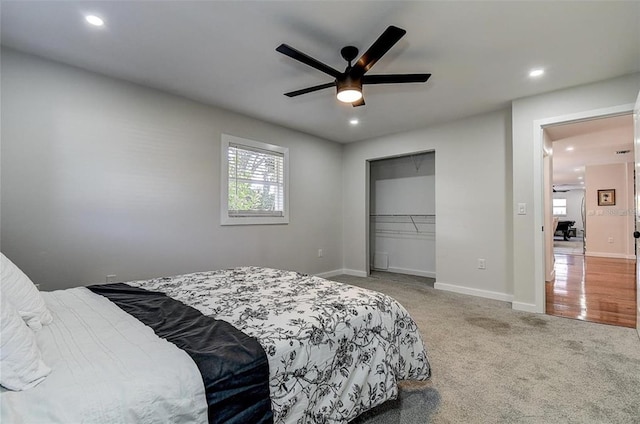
23, 295
21, 365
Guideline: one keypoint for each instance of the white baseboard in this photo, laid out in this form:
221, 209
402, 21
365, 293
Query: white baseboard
518, 306
474, 292
329, 274
409, 272
610, 255
551, 276
526, 307
354, 272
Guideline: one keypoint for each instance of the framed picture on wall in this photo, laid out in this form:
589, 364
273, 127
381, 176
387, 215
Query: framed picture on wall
607, 197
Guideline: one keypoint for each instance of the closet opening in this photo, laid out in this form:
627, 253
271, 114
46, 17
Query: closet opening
402, 220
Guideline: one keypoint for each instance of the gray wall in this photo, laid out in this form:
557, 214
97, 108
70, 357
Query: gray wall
472, 200
100, 177
105, 177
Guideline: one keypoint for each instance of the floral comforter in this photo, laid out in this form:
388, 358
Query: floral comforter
334, 350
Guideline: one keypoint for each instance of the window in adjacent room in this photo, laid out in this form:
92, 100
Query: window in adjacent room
254, 182
560, 207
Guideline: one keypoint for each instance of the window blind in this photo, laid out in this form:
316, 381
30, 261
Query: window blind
256, 181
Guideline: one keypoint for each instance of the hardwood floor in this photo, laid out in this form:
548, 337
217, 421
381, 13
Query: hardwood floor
593, 289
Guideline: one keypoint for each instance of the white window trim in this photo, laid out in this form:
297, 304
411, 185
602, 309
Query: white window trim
558, 207
225, 219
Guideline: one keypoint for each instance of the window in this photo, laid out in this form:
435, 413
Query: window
254, 182
560, 206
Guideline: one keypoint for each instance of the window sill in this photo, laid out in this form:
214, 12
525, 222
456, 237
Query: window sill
254, 220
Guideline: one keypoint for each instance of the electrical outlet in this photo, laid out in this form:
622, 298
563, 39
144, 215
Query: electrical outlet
610, 240
320, 253
482, 264
111, 278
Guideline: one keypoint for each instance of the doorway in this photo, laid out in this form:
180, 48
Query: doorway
402, 215
592, 251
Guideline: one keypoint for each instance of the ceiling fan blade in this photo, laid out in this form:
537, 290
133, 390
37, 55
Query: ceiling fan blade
382, 45
358, 102
395, 78
307, 60
310, 89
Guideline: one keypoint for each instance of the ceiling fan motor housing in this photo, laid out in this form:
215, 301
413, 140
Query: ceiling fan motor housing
349, 53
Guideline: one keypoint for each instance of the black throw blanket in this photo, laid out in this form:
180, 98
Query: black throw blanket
233, 365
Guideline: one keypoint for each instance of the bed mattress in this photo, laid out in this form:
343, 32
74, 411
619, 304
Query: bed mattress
107, 367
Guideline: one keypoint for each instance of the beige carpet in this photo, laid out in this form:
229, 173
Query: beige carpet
495, 365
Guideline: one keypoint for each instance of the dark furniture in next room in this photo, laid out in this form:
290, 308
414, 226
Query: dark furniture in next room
566, 228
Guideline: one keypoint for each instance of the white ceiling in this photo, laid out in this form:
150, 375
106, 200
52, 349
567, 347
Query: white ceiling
223, 53
593, 142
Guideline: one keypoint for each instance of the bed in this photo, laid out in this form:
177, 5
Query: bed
332, 350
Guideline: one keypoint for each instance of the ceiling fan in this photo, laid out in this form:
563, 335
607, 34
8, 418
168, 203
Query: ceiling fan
349, 83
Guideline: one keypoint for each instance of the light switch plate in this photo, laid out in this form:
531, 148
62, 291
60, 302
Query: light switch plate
522, 208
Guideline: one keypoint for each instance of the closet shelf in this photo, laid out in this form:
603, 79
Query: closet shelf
398, 223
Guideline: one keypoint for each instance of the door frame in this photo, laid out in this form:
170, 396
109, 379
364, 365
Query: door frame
636, 154
367, 208
538, 186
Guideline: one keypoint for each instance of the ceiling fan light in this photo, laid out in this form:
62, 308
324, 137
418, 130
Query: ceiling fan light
349, 90
349, 95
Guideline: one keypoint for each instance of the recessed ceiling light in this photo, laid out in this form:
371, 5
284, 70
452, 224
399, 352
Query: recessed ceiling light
354, 121
94, 20
577, 169
536, 72
579, 178
569, 149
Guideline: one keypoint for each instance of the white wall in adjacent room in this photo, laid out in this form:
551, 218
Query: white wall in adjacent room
101, 177
574, 208
610, 228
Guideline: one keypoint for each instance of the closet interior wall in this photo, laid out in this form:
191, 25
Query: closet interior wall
402, 214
